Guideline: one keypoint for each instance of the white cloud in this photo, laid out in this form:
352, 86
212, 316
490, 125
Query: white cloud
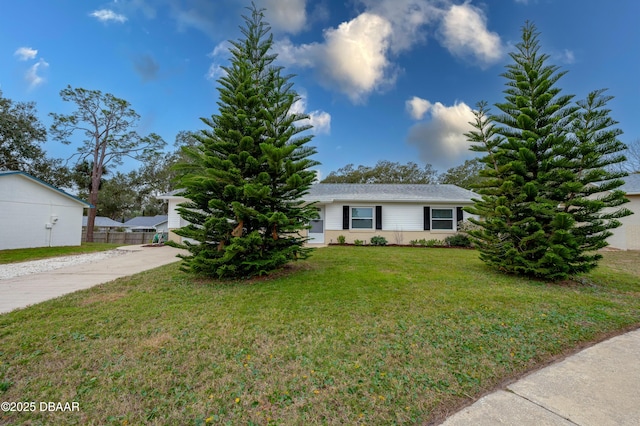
567, 56
464, 33
32, 76
352, 59
418, 107
26, 53
106, 15
408, 19
357, 57
219, 53
440, 139
286, 15
304, 55
320, 120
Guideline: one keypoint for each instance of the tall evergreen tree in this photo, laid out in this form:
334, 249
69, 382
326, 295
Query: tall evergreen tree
246, 177
546, 159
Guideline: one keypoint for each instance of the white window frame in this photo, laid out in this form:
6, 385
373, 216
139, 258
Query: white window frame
435, 220
373, 217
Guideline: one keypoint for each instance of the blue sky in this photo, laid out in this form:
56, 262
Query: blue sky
381, 79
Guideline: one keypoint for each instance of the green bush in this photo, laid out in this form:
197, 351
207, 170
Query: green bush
358, 242
433, 243
378, 240
458, 240
428, 243
342, 239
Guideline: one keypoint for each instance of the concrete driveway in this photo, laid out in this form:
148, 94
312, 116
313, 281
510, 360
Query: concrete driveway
20, 292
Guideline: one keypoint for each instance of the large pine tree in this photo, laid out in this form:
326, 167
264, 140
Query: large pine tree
245, 179
546, 161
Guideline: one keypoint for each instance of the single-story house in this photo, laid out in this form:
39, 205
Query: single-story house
399, 212
627, 236
103, 224
156, 223
36, 214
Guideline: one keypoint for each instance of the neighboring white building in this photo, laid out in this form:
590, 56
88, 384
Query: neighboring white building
400, 213
627, 236
36, 214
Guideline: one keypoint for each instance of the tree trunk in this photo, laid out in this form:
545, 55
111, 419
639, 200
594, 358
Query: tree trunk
91, 217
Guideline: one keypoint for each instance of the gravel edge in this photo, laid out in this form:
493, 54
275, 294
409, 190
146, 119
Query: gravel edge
12, 270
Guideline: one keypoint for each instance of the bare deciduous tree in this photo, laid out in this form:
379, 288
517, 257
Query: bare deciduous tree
107, 124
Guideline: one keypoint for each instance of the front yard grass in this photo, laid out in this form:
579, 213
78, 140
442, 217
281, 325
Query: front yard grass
26, 254
354, 335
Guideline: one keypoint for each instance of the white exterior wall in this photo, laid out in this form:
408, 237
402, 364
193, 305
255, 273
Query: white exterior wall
406, 218
174, 219
333, 217
627, 236
395, 216
401, 223
26, 207
403, 217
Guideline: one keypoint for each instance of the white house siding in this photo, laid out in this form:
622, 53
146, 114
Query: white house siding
26, 207
333, 217
402, 217
401, 223
174, 218
627, 236
176, 221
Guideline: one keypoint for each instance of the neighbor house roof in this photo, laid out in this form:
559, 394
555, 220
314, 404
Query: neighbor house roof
330, 192
103, 222
146, 221
43, 183
631, 184
171, 194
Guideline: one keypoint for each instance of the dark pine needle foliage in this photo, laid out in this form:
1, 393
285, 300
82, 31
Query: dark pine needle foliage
246, 177
549, 197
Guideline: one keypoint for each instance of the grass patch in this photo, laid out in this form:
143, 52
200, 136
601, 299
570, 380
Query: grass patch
22, 255
350, 336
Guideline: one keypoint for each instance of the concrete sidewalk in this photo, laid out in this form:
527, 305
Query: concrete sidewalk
598, 386
20, 292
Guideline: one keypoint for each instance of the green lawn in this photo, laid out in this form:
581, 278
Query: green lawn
22, 255
354, 335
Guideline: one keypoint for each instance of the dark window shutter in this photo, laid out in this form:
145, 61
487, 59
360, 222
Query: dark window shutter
378, 217
459, 214
427, 218
345, 217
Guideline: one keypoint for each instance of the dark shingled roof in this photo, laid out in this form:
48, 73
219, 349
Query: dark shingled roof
631, 184
329, 192
146, 221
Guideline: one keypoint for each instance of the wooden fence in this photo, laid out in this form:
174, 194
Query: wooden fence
124, 238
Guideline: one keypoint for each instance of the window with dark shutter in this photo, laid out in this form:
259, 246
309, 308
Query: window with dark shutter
459, 215
427, 218
378, 217
345, 217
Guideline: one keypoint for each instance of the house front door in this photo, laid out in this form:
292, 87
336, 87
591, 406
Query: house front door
316, 233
